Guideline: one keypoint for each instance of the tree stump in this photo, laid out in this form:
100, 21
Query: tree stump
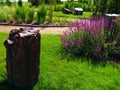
23, 56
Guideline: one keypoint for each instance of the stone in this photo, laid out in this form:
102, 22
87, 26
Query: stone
67, 11
78, 11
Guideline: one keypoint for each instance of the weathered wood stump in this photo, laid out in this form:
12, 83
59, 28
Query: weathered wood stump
23, 56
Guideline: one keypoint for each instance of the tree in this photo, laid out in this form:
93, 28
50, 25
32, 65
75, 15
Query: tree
34, 2
20, 3
103, 6
8, 2
114, 6
106, 6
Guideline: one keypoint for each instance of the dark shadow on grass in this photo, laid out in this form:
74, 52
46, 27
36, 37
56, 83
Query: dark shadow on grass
71, 57
4, 85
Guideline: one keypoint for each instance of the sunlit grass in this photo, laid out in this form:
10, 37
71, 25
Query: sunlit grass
72, 16
61, 71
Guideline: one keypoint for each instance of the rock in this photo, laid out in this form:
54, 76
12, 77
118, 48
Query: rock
78, 11
67, 11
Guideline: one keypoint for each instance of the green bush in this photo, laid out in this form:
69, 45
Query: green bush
114, 6
50, 13
3, 16
106, 6
8, 2
10, 13
59, 7
113, 36
29, 15
69, 5
35, 2
20, 3
41, 13
20, 14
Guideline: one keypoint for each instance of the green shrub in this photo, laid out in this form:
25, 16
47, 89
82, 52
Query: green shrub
106, 6
20, 14
10, 13
28, 4
41, 13
69, 5
113, 6
20, 3
8, 2
113, 38
59, 7
30, 15
3, 16
50, 13
35, 2
58, 1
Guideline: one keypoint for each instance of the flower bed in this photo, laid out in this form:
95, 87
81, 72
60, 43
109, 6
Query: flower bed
93, 38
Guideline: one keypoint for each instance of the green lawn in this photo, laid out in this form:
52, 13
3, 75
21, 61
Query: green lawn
72, 16
60, 71
68, 18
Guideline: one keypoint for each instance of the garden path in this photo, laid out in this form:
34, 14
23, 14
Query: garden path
43, 30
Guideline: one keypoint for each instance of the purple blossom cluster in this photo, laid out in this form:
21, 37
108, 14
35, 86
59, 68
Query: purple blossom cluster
91, 37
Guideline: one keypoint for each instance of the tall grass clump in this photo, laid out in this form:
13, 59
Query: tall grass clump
93, 38
59, 7
30, 15
69, 5
8, 2
3, 16
50, 13
20, 3
10, 13
20, 14
41, 13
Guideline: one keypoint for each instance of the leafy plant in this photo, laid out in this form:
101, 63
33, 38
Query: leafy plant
59, 7
41, 13
3, 16
69, 5
35, 2
50, 13
8, 2
20, 14
106, 6
30, 15
10, 12
20, 3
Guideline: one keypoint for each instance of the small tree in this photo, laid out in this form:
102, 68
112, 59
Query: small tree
8, 2
20, 3
114, 6
34, 2
106, 6
103, 6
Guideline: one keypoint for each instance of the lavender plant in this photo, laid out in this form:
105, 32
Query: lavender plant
91, 38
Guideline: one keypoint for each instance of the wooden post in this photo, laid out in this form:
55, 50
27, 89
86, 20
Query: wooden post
23, 56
